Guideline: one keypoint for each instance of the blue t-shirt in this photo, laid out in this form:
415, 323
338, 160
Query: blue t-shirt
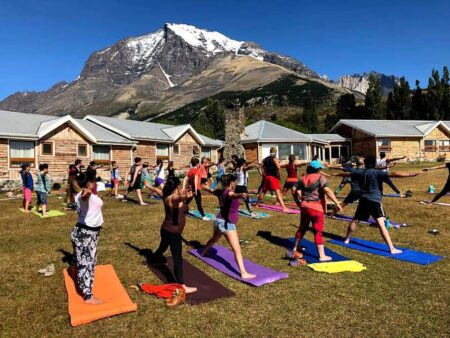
370, 182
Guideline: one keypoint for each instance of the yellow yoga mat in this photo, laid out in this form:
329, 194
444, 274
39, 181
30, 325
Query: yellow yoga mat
50, 213
334, 267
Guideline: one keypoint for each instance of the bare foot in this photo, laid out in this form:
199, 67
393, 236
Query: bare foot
143, 204
247, 275
396, 251
93, 301
347, 241
286, 211
325, 259
189, 289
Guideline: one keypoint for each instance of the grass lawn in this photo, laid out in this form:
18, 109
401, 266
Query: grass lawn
391, 298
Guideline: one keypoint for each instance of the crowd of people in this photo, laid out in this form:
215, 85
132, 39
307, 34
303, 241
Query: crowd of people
310, 192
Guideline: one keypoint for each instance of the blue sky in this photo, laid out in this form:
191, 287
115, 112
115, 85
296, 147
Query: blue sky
45, 41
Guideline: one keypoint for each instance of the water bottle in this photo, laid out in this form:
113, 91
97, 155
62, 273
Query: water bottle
388, 223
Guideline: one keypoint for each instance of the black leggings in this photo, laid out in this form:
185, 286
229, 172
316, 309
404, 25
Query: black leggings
174, 241
445, 190
198, 200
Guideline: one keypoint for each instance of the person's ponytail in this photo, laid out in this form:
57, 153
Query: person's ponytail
170, 186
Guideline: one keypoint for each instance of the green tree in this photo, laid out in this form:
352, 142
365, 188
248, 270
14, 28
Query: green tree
310, 118
215, 116
445, 103
372, 102
435, 96
398, 103
418, 104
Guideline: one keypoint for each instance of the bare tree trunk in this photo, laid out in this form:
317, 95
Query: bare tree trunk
234, 129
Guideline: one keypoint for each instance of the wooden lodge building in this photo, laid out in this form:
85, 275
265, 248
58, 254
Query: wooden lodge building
417, 140
58, 141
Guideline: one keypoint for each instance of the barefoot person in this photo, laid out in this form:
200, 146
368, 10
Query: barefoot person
446, 189
271, 172
115, 177
241, 169
85, 236
312, 190
27, 186
226, 221
135, 174
43, 188
172, 227
370, 181
193, 180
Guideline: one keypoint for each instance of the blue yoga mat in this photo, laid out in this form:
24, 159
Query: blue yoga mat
310, 253
382, 249
391, 195
196, 214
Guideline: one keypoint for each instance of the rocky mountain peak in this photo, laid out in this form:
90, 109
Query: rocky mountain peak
360, 82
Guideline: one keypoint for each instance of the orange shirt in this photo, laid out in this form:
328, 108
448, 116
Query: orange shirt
192, 173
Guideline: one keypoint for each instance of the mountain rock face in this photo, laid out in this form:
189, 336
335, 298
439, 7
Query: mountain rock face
145, 68
360, 82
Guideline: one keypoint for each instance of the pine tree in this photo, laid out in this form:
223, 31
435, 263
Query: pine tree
445, 103
310, 118
418, 106
434, 96
215, 115
399, 101
345, 107
372, 102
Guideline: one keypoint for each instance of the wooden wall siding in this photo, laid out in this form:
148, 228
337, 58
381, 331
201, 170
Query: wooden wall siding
405, 147
185, 144
363, 144
146, 151
65, 141
4, 173
438, 134
251, 152
122, 155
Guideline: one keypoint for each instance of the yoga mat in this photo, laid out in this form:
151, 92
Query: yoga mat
245, 213
391, 195
207, 288
196, 214
335, 267
310, 253
436, 203
371, 221
50, 213
253, 200
278, 208
108, 288
382, 249
222, 259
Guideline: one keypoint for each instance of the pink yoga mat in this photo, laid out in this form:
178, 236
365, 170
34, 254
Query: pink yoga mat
278, 208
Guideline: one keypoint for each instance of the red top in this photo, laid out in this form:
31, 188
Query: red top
203, 171
312, 188
191, 176
291, 173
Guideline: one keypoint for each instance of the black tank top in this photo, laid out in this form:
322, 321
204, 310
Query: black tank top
171, 172
270, 167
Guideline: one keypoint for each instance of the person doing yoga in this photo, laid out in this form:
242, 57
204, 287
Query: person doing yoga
446, 189
312, 191
242, 182
370, 181
193, 180
226, 221
172, 227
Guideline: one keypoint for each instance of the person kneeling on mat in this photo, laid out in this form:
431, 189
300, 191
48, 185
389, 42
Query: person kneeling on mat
173, 225
312, 190
370, 181
85, 237
227, 219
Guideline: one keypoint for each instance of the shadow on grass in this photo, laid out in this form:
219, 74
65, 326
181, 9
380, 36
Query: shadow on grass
67, 257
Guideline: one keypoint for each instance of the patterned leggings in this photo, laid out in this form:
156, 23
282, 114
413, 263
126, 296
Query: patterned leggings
84, 258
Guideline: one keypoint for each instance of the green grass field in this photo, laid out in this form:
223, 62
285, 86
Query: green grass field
390, 299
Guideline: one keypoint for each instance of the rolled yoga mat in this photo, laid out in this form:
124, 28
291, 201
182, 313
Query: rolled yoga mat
371, 221
382, 249
222, 259
278, 208
207, 288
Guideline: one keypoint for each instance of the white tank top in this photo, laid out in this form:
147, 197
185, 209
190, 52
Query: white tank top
241, 177
160, 172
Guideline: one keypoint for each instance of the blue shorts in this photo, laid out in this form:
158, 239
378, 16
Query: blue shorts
219, 225
41, 197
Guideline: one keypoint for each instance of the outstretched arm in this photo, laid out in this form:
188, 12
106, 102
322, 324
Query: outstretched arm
389, 160
236, 196
330, 194
442, 166
402, 174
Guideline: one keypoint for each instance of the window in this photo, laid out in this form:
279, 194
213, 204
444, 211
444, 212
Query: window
430, 145
284, 150
334, 152
444, 146
101, 154
21, 152
195, 151
81, 150
344, 152
162, 151
176, 149
47, 148
384, 145
299, 150
206, 152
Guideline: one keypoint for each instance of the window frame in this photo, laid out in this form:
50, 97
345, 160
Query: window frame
178, 149
52, 153
99, 161
444, 147
162, 157
31, 160
385, 148
78, 149
430, 148
201, 152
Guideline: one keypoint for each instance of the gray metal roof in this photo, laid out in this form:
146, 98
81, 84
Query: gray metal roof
21, 124
103, 135
211, 142
330, 137
135, 130
265, 131
392, 128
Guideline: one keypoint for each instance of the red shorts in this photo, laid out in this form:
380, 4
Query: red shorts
271, 183
115, 182
26, 194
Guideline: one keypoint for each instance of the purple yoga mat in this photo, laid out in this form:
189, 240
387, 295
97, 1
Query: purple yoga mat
370, 222
278, 208
222, 259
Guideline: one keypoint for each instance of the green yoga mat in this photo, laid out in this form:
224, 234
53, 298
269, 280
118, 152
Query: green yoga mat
50, 213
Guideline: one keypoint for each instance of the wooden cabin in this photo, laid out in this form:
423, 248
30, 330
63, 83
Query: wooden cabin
417, 140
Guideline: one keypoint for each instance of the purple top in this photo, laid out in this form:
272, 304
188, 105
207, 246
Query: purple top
229, 208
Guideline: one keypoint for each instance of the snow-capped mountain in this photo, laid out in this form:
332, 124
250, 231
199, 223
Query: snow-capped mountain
360, 82
146, 66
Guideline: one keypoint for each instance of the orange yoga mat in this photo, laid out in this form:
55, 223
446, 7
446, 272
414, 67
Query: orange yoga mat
108, 288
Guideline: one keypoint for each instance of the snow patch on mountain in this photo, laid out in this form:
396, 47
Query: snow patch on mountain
144, 47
